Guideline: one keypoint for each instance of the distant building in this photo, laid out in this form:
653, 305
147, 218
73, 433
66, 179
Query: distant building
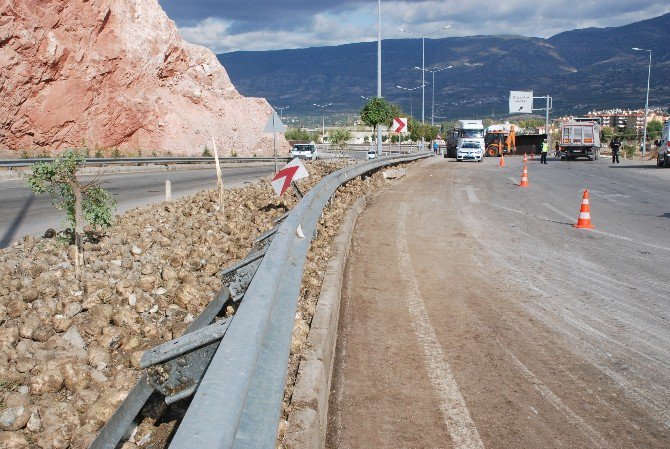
625, 118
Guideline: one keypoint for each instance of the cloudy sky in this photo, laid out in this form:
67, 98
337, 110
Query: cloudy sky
231, 25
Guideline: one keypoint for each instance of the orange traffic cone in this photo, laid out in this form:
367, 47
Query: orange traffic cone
502, 161
524, 177
584, 220
524, 158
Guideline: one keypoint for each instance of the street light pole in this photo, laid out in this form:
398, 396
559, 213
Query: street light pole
281, 111
423, 66
379, 69
646, 104
323, 121
433, 71
410, 96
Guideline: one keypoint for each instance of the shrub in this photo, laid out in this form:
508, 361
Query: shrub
206, 152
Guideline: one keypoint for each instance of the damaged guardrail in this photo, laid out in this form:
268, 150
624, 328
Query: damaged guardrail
235, 367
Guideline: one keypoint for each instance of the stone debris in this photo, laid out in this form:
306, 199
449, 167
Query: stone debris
77, 369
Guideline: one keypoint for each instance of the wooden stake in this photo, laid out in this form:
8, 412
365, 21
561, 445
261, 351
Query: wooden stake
218, 175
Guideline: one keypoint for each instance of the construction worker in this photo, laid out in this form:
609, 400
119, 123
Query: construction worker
545, 150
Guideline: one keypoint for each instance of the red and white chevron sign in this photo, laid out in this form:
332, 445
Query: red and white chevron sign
399, 124
292, 171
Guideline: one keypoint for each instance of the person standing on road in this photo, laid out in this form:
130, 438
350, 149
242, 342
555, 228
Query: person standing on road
545, 150
615, 145
436, 146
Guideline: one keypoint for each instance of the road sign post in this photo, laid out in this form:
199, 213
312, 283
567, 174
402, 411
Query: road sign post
521, 102
291, 172
399, 127
274, 125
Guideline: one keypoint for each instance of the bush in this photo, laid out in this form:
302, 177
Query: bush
629, 150
206, 152
233, 153
115, 153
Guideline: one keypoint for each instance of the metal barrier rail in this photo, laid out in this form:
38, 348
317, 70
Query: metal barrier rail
16, 163
236, 367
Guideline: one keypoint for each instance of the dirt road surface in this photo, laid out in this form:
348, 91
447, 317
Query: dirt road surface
474, 315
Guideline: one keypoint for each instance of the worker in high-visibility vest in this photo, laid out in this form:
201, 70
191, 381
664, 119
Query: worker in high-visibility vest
545, 150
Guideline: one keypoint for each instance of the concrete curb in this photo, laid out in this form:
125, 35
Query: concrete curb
309, 416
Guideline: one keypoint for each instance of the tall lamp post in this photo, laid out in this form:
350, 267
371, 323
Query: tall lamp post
379, 69
323, 121
423, 63
432, 109
646, 104
281, 111
410, 96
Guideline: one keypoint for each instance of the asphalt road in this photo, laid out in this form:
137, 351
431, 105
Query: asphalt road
474, 314
22, 213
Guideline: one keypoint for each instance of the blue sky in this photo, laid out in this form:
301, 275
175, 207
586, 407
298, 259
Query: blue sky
231, 25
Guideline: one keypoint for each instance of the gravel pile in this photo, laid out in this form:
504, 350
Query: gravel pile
70, 350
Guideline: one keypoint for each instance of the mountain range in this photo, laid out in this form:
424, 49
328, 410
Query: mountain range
584, 69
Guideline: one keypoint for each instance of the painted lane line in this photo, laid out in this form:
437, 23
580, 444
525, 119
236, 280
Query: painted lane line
607, 234
555, 401
559, 212
514, 181
472, 196
455, 412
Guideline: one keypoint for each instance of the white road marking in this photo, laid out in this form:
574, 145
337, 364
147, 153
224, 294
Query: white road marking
514, 181
607, 234
472, 196
554, 400
455, 412
559, 212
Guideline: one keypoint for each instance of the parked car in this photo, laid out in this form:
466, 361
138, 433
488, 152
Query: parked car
472, 151
663, 158
372, 153
304, 151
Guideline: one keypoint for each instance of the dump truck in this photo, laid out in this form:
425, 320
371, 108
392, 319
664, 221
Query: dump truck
500, 139
580, 137
465, 131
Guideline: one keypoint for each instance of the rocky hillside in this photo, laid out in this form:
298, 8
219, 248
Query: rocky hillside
581, 69
116, 73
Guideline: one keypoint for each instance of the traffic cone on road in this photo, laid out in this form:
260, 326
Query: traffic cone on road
584, 220
524, 158
524, 177
502, 161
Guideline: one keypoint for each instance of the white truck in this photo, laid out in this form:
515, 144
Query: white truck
580, 137
466, 131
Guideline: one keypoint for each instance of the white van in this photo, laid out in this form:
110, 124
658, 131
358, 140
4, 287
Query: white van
304, 151
663, 158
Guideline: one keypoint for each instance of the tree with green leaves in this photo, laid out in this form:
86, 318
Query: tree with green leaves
297, 134
654, 129
607, 133
339, 137
81, 201
377, 112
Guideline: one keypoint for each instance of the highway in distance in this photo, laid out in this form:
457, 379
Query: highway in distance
23, 213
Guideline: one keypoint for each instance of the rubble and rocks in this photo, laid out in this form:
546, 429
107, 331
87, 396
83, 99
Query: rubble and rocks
116, 74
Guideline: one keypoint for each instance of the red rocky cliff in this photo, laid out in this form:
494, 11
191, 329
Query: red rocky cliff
116, 73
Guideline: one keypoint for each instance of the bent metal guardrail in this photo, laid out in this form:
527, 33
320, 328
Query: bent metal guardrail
16, 163
235, 367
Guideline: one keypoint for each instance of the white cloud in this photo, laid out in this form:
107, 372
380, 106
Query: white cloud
357, 22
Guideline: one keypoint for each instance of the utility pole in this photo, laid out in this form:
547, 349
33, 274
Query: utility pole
379, 69
646, 104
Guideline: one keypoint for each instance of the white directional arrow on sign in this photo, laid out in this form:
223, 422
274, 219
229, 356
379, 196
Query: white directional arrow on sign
399, 124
